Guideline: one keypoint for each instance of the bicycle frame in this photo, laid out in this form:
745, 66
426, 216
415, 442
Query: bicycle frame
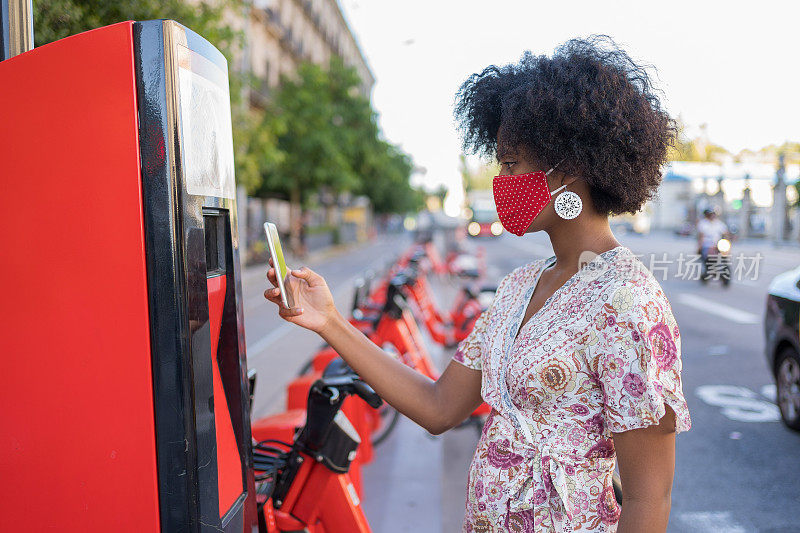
320, 501
312, 489
398, 327
446, 330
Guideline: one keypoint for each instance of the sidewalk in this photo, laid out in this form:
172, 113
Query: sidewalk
417, 482
278, 349
257, 270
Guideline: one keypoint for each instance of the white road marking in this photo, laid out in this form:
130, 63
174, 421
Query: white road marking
739, 403
715, 308
264, 342
770, 392
712, 522
718, 349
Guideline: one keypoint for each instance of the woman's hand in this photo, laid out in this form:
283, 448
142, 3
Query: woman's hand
314, 307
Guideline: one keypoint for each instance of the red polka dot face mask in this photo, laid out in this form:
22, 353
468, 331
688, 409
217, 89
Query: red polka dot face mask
520, 198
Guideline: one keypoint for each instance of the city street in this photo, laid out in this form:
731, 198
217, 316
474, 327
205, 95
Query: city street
157, 153
736, 469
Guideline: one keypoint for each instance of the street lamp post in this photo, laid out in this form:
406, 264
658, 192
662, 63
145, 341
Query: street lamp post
16, 28
746, 209
720, 198
779, 201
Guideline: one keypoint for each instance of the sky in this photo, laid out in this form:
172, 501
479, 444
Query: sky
731, 65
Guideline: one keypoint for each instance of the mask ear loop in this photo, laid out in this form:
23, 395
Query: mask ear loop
552, 169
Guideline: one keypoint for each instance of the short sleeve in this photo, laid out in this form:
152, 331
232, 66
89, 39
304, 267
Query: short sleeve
638, 357
470, 351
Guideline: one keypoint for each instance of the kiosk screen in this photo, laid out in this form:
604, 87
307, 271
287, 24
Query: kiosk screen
205, 112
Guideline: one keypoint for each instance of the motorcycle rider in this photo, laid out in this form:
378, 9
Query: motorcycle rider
710, 229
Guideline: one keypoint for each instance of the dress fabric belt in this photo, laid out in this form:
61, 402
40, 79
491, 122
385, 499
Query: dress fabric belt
561, 475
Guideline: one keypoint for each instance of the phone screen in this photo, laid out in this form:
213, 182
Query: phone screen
281, 266
281, 270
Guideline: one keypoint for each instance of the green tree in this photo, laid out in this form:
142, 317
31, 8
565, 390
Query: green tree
477, 179
790, 150
255, 143
331, 140
255, 134
312, 143
697, 149
385, 181
317, 130
56, 19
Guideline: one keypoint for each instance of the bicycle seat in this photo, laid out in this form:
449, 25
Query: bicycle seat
470, 292
470, 273
399, 279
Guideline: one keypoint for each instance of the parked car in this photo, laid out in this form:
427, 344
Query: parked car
782, 335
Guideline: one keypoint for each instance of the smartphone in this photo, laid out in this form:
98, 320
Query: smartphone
281, 270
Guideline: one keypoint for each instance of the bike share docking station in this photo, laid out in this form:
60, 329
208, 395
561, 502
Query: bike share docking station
125, 390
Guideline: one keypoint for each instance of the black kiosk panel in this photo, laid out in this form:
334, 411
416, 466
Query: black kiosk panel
197, 329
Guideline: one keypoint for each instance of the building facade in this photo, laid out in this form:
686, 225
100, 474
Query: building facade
281, 34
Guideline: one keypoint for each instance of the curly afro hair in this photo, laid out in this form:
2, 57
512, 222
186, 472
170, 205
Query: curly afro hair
589, 107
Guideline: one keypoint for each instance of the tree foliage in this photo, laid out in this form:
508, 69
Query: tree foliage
314, 142
56, 19
697, 149
317, 131
477, 179
386, 183
331, 140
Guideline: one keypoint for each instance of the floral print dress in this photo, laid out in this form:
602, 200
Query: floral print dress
602, 355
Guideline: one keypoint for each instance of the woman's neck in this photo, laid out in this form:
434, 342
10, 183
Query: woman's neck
571, 240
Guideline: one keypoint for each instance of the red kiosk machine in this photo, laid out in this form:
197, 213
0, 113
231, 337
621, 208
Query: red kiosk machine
124, 385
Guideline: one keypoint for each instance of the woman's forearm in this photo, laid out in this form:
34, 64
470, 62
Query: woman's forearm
413, 394
644, 516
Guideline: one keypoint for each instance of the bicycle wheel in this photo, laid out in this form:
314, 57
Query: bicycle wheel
389, 418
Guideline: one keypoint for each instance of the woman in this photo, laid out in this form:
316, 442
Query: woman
579, 354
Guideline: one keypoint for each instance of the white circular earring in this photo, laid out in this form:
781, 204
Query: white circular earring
568, 204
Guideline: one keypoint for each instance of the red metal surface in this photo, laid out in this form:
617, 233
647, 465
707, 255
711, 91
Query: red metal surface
405, 336
280, 427
323, 357
269, 517
77, 452
229, 463
297, 390
323, 501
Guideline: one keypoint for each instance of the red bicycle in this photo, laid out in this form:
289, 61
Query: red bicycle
446, 329
395, 326
304, 485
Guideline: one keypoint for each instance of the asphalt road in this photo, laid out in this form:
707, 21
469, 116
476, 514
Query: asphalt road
736, 469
